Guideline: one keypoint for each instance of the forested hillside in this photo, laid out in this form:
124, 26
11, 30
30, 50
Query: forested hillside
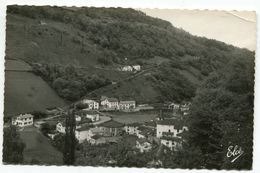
112, 37
77, 51
222, 115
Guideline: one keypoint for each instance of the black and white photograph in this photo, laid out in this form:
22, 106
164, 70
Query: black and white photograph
129, 87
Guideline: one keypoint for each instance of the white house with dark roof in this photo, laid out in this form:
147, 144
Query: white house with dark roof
169, 132
127, 105
82, 133
143, 145
93, 116
23, 120
127, 68
92, 104
132, 129
136, 67
173, 106
60, 127
109, 103
172, 126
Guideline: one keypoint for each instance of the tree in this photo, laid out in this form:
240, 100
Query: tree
13, 147
45, 128
222, 115
70, 139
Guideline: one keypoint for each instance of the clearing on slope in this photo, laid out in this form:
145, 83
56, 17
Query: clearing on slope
26, 92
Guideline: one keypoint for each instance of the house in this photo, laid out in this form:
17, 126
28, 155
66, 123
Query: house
143, 145
168, 131
140, 130
145, 132
109, 103
87, 133
174, 106
52, 135
172, 143
60, 127
173, 126
136, 67
144, 107
98, 139
126, 105
82, 133
91, 104
23, 120
43, 22
132, 129
185, 107
127, 68
111, 128
77, 118
154, 164
93, 116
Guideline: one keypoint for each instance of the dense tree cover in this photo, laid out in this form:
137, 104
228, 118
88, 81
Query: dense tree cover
13, 147
38, 114
127, 33
58, 142
222, 115
127, 36
69, 82
121, 154
172, 85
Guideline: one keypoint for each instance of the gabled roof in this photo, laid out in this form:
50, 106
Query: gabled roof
25, 116
83, 128
88, 101
178, 124
143, 140
168, 138
146, 130
95, 130
150, 124
127, 102
112, 99
96, 137
133, 125
103, 98
112, 124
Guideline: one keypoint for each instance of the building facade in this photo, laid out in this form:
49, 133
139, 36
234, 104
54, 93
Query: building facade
92, 104
109, 103
111, 128
127, 105
23, 120
169, 132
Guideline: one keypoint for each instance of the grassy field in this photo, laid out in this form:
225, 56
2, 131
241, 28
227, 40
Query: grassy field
132, 117
39, 148
25, 92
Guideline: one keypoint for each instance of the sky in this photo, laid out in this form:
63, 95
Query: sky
232, 27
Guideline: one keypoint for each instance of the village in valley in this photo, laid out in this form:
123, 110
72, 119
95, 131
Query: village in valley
109, 120
117, 87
